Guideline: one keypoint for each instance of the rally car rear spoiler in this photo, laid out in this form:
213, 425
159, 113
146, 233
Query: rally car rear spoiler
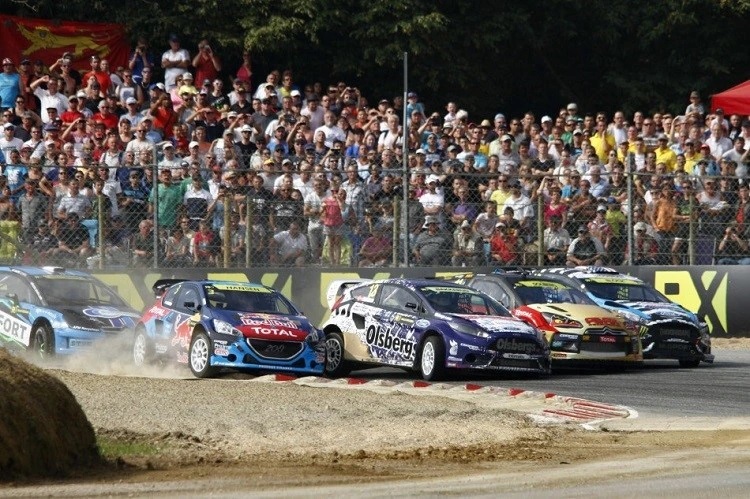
162, 285
337, 288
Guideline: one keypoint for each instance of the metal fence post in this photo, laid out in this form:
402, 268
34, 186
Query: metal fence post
397, 213
227, 244
100, 231
540, 229
248, 229
691, 233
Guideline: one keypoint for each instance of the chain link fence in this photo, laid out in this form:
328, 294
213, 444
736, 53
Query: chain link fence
185, 215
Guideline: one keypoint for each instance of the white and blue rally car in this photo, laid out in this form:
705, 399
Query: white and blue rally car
428, 326
56, 311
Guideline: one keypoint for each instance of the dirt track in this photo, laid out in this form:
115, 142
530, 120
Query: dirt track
235, 436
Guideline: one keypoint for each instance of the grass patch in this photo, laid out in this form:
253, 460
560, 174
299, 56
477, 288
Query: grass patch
112, 448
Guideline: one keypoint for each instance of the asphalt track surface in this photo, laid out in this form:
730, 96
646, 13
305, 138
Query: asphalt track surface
660, 388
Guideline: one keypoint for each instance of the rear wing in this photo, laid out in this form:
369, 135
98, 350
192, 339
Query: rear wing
337, 288
161, 286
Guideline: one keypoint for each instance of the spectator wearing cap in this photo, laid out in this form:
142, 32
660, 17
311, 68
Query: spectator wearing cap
50, 98
585, 249
705, 164
431, 246
72, 114
197, 199
174, 61
10, 85
433, 200
240, 105
645, 248
600, 229
170, 160
467, 246
508, 158
733, 248
664, 154
8, 141
556, 241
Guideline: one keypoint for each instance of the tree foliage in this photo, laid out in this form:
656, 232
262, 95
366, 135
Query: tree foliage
488, 56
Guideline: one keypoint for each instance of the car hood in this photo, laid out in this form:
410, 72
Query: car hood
497, 324
268, 326
654, 311
572, 310
99, 317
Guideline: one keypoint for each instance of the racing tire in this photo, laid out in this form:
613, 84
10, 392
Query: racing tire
199, 356
336, 365
432, 359
42, 344
143, 351
690, 363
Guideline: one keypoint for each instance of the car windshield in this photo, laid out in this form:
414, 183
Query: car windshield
248, 299
62, 290
532, 291
460, 300
623, 290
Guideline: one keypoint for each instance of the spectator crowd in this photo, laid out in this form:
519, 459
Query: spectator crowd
188, 167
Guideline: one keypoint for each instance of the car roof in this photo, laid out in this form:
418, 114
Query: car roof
30, 271
588, 272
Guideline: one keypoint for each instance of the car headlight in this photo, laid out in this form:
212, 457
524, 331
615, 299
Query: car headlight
556, 320
223, 327
471, 329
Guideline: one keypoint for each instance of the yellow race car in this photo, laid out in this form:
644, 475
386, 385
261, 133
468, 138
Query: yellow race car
576, 328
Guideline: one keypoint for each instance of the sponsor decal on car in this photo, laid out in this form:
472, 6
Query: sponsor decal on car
512, 345
14, 328
422, 323
496, 325
603, 321
103, 312
386, 338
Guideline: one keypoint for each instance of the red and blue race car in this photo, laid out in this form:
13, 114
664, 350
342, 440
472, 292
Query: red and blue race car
211, 325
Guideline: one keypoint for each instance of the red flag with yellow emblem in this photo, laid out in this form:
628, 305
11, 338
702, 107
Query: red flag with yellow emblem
29, 38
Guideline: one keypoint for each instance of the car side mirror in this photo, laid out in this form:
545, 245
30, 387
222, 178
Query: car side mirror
190, 305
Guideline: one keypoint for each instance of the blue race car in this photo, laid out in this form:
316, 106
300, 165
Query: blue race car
211, 325
428, 326
668, 330
54, 311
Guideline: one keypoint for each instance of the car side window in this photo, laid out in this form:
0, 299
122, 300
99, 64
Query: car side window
395, 297
494, 290
13, 284
169, 297
365, 293
187, 294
